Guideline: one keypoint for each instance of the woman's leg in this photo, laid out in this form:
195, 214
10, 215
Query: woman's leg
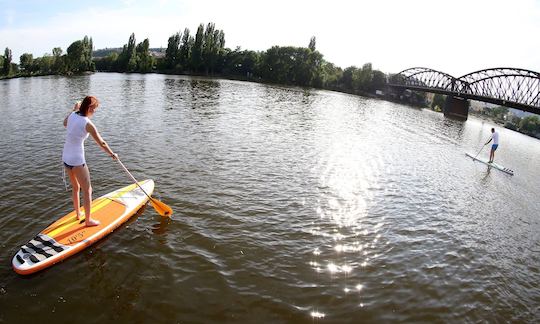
75, 192
83, 177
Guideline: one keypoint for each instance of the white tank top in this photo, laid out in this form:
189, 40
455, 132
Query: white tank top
495, 137
73, 153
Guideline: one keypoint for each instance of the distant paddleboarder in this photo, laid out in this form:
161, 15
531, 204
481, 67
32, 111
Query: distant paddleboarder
495, 139
78, 127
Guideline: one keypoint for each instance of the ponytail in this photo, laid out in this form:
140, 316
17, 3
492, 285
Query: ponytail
86, 103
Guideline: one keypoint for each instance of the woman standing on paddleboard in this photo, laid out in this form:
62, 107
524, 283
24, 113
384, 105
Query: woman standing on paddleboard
78, 127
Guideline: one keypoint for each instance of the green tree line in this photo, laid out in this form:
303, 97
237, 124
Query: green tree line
78, 58
133, 58
204, 53
529, 125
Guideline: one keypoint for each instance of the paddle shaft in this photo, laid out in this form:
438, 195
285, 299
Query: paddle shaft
474, 156
133, 178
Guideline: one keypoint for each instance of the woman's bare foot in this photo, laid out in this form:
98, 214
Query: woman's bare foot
92, 222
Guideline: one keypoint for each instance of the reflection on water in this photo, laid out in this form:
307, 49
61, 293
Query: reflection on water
291, 205
161, 227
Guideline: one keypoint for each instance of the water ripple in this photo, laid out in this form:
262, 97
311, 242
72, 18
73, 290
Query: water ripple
291, 205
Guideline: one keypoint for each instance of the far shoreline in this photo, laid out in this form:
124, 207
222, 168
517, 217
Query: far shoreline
261, 81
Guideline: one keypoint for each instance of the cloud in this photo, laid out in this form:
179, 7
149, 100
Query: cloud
9, 17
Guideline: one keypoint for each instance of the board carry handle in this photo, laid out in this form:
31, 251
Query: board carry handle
160, 207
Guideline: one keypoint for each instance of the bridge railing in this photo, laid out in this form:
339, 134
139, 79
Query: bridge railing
512, 87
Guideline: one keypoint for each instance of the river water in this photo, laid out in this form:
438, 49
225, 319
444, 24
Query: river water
291, 205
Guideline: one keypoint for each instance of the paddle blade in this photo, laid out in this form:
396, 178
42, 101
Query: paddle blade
161, 208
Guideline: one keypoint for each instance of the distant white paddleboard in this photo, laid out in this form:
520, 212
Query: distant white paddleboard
493, 164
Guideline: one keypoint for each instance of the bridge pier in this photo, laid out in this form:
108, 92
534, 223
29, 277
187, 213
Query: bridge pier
456, 107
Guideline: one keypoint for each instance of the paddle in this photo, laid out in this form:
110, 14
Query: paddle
480, 150
160, 207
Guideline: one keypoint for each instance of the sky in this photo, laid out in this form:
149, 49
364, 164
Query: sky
456, 37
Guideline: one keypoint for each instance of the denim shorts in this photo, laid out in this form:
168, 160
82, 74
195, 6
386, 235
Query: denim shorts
494, 146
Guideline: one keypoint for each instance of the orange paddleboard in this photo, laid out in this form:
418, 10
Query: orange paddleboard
69, 235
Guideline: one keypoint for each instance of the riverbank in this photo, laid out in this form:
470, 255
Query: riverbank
262, 81
507, 124
31, 75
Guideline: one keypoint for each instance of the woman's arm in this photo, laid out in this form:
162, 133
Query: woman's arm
75, 108
90, 128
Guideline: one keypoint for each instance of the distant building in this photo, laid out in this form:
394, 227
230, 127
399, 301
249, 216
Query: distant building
157, 52
519, 113
480, 106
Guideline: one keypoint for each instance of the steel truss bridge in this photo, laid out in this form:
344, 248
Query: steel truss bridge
509, 87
